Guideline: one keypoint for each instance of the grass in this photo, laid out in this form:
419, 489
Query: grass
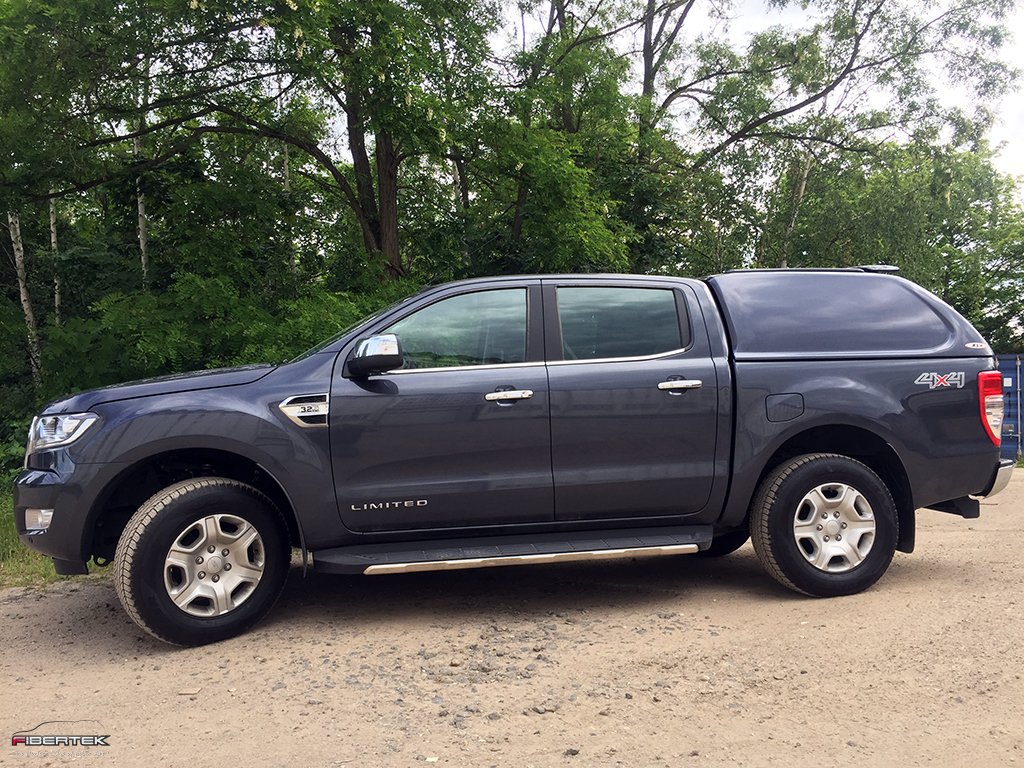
19, 566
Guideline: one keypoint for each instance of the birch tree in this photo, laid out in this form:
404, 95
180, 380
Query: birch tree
31, 328
55, 259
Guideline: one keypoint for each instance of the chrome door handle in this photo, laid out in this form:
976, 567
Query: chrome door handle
681, 384
509, 394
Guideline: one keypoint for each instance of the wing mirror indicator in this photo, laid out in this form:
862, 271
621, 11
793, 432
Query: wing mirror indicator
375, 354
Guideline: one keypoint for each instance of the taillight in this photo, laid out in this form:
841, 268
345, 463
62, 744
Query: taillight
990, 401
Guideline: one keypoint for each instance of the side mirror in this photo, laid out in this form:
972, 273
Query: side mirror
375, 354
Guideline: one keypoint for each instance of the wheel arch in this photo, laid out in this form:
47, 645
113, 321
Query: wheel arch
865, 446
133, 485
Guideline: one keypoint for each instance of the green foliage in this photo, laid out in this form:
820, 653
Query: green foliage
198, 322
567, 224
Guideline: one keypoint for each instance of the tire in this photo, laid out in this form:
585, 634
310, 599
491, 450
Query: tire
174, 588
803, 509
726, 543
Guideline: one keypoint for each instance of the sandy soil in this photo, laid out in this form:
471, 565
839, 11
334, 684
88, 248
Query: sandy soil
671, 661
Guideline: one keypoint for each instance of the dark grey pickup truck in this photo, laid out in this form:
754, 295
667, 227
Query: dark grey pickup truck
520, 420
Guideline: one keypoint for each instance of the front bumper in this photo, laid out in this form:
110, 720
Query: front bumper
53, 481
62, 540
1001, 478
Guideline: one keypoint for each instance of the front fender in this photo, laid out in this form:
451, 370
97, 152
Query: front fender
245, 421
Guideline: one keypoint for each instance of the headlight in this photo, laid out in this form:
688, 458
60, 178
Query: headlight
54, 431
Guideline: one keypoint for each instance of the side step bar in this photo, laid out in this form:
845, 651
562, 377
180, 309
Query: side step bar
554, 557
489, 552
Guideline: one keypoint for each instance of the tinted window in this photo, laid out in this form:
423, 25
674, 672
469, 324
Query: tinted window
828, 313
617, 322
483, 328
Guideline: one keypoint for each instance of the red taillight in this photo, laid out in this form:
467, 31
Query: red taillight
990, 402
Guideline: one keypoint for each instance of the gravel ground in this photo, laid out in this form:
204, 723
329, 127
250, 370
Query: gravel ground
668, 661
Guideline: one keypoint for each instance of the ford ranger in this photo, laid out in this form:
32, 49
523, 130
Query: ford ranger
516, 420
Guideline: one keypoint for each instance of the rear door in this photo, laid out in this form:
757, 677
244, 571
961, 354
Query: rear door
634, 400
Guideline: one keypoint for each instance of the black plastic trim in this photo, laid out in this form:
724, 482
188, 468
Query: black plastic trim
965, 507
70, 567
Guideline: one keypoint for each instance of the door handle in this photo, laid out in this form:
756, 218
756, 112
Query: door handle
509, 394
680, 384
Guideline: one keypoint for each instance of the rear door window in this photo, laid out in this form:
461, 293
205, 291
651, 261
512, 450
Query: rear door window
612, 322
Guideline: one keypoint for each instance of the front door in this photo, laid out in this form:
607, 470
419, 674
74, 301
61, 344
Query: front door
634, 400
459, 436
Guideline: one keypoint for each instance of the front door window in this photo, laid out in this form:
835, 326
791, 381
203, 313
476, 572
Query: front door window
482, 328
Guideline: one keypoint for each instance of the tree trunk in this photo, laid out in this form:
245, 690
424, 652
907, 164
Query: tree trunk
375, 205
648, 52
662, 23
140, 205
564, 112
365, 193
35, 357
387, 189
521, 194
461, 179
287, 171
140, 196
364, 204
55, 253
798, 199
517, 217
645, 113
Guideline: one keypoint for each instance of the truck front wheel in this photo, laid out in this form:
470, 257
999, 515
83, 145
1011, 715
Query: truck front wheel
824, 524
201, 561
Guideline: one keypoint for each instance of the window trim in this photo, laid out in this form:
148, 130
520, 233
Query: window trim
637, 359
489, 367
553, 320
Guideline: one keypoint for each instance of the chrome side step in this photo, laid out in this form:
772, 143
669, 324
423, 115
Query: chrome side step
552, 557
382, 557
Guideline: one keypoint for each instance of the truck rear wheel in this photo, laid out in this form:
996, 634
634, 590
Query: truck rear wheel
201, 561
824, 525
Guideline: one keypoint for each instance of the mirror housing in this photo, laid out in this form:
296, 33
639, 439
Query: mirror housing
375, 354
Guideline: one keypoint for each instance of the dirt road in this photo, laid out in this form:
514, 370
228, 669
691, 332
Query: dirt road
670, 661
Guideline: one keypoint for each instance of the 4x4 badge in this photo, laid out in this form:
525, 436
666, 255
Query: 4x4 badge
937, 380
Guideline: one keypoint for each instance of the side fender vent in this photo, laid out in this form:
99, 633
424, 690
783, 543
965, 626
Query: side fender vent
307, 410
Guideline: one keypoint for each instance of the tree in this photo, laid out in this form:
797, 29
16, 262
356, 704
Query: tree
378, 67
35, 356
